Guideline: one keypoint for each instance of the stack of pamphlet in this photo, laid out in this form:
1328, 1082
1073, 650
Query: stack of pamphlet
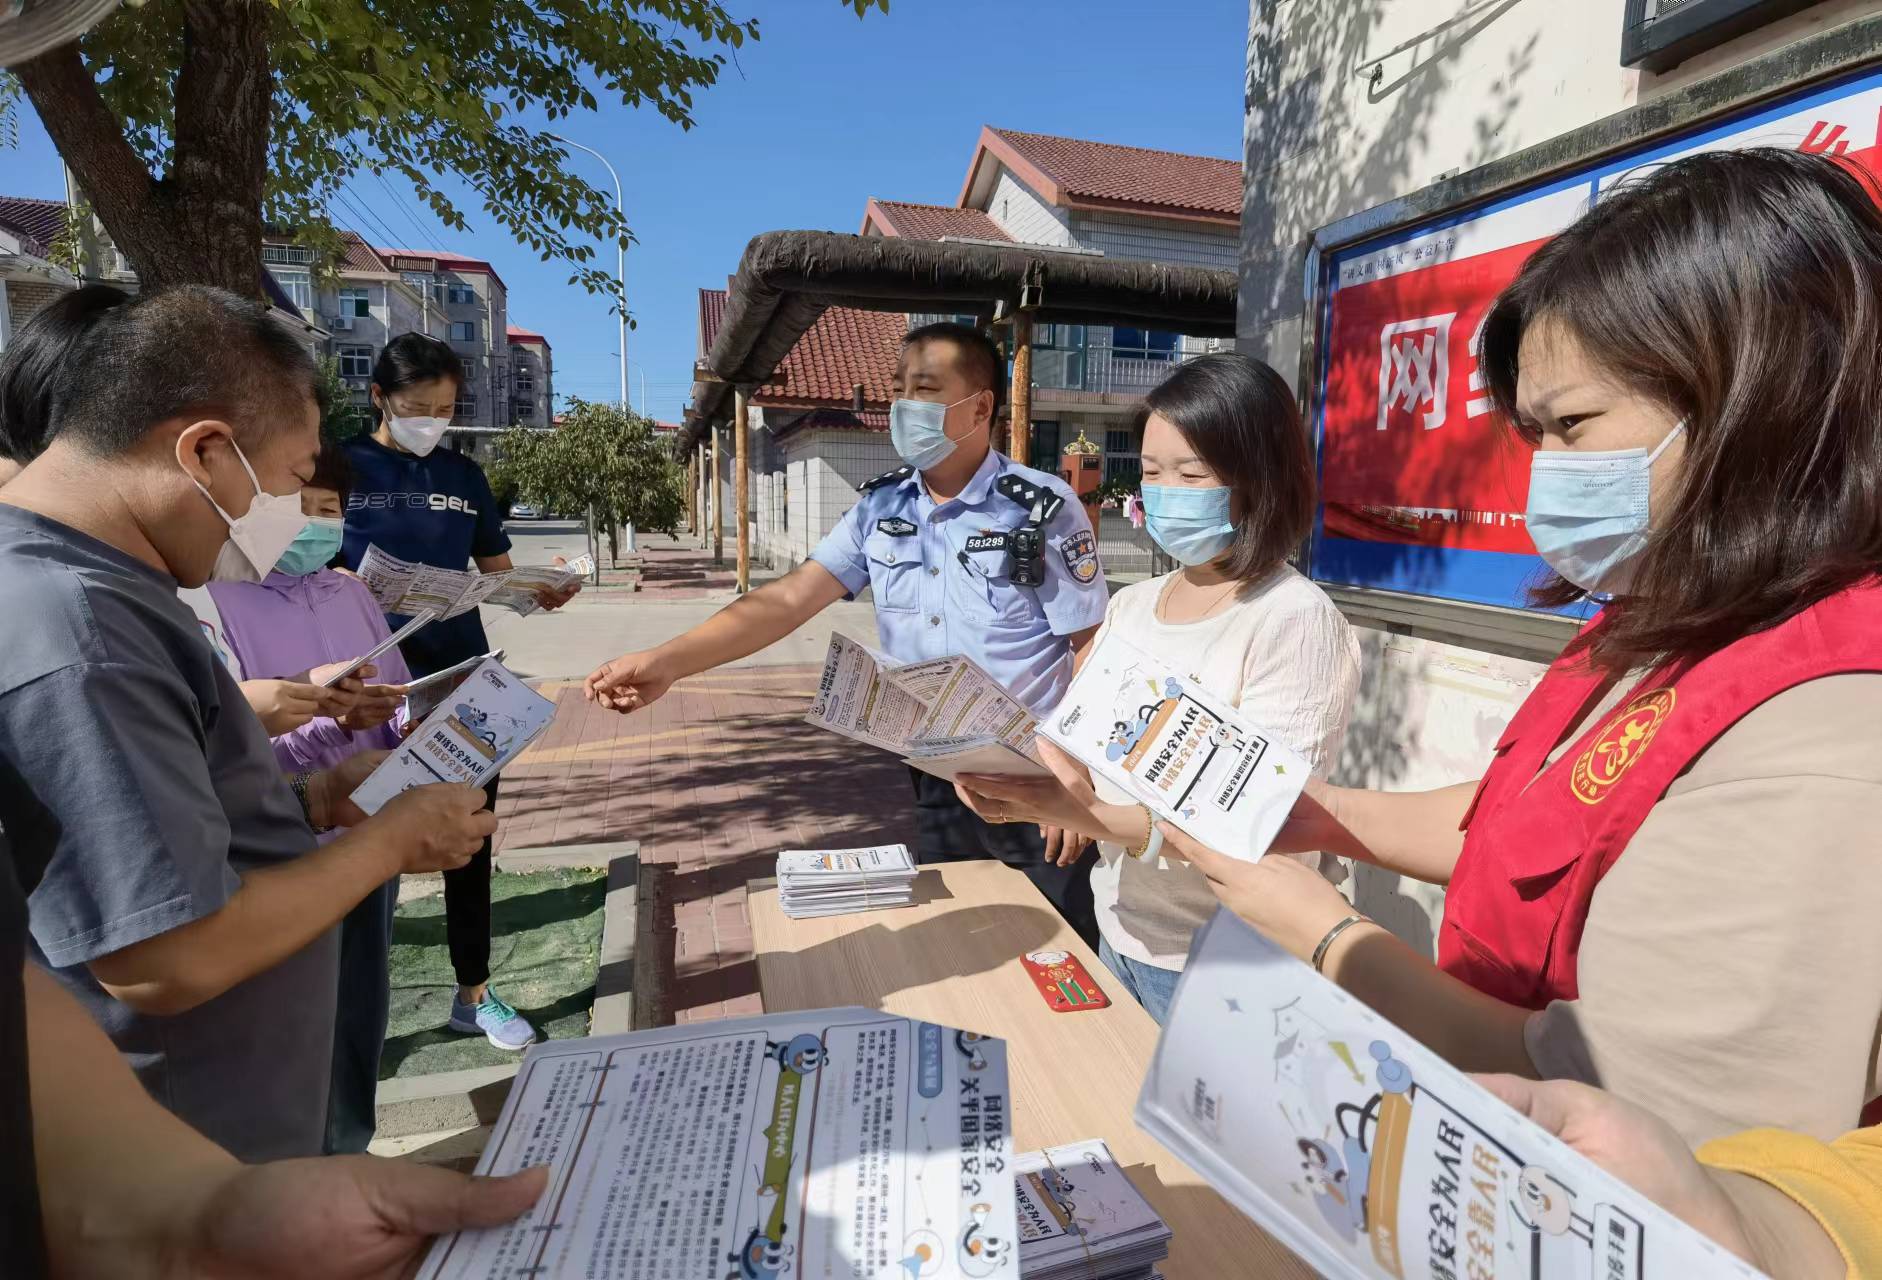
1081, 1219
835, 882
842, 1143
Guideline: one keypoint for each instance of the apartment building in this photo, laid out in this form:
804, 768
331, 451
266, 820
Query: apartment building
532, 379
470, 305
29, 279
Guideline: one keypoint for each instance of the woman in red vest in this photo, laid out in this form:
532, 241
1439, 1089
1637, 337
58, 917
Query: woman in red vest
1669, 881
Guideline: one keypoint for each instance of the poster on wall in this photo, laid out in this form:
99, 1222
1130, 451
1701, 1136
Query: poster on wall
1422, 486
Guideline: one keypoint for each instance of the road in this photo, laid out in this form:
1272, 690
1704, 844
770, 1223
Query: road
541, 541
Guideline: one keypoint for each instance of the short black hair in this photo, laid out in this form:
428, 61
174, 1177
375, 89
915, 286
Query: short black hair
332, 470
43, 346
412, 358
980, 359
1242, 420
189, 349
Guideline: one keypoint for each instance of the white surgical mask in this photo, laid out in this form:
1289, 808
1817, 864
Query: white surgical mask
419, 435
918, 430
257, 537
1588, 512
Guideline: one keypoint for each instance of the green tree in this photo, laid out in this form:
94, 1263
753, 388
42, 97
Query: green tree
191, 124
604, 459
342, 419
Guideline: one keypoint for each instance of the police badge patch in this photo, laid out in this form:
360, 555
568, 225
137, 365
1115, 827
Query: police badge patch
1081, 556
896, 527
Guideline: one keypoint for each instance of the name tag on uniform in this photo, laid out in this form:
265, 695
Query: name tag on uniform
895, 527
987, 542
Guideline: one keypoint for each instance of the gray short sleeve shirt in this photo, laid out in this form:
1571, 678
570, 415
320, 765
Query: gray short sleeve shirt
137, 788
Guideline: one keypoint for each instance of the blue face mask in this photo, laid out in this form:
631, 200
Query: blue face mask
1191, 524
919, 431
313, 547
1588, 512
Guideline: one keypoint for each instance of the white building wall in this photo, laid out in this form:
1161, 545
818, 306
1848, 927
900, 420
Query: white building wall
1186, 244
1023, 215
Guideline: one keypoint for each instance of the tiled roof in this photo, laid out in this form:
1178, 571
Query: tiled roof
524, 335
845, 347
1104, 173
36, 222
357, 255
455, 261
839, 420
932, 221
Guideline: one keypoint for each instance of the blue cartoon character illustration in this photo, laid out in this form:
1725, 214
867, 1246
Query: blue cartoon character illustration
972, 1046
1340, 1181
801, 1055
474, 723
981, 1252
765, 1255
1126, 734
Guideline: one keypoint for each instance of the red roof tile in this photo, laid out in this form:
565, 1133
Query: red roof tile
357, 255
36, 222
1102, 173
931, 221
448, 261
845, 347
524, 335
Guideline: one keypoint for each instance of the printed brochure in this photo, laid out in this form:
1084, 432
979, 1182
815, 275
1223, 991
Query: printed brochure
404, 587
483, 726
1370, 1156
842, 1144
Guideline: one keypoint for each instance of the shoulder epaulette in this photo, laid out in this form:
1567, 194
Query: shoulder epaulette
1026, 493
888, 477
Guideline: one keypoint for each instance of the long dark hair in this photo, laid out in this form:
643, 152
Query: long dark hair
41, 348
1741, 291
412, 358
1241, 419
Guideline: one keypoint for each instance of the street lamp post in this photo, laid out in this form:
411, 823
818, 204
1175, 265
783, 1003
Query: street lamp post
620, 274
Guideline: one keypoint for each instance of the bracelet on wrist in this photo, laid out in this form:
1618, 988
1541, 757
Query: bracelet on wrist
1332, 935
1150, 833
302, 786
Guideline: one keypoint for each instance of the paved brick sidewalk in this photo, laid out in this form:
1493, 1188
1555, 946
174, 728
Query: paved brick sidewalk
713, 780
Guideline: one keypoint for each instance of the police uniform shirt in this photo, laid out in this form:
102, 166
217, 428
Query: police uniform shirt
941, 574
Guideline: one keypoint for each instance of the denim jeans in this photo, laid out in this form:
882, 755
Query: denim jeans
359, 1033
1149, 986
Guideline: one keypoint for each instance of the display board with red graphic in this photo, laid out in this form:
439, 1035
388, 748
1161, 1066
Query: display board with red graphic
1422, 487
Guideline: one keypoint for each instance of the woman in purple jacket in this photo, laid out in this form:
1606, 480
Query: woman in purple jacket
301, 617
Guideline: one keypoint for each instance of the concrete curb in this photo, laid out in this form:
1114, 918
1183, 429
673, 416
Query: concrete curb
447, 1101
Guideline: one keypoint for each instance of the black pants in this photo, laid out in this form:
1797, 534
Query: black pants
467, 912
359, 1032
948, 831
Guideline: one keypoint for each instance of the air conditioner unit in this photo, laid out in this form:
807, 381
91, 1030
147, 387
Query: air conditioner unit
1658, 35
340, 324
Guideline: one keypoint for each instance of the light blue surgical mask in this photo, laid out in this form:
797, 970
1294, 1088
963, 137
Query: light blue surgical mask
919, 431
1192, 524
313, 548
1588, 512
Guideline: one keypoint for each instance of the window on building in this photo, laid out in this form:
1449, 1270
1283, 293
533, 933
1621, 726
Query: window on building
1143, 344
356, 303
526, 382
298, 284
463, 331
466, 405
1045, 445
356, 362
460, 293
1121, 459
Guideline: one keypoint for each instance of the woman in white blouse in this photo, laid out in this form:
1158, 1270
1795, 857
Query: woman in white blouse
1228, 492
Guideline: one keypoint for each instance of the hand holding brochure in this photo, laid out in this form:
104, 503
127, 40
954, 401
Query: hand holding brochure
405, 587
844, 1144
1369, 1155
943, 716
1178, 749
383, 646
487, 724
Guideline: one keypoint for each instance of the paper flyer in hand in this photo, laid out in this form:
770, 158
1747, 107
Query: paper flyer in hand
1177, 748
487, 723
928, 712
843, 1144
403, 587
1370, 1156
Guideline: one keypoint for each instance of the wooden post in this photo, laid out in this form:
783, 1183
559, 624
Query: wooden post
1019, 396
692, 494
718, 505
741, 449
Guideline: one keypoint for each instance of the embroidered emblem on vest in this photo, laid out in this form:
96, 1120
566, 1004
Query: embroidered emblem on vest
1622, 741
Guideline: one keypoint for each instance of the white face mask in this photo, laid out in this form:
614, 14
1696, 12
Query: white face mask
257, 537
417, 435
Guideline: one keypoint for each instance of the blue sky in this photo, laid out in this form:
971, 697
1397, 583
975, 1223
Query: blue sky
823, 112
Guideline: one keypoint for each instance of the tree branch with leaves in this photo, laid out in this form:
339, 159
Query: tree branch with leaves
603, 459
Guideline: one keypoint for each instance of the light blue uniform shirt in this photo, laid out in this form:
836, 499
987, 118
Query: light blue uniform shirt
942, 584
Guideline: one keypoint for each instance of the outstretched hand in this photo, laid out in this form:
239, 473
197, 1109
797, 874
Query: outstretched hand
626, 683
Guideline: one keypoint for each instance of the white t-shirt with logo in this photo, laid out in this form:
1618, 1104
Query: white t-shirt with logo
1288, 659
210, 619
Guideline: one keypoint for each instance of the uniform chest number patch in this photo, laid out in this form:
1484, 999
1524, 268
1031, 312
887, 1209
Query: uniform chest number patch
1081, 556
987, 542
895, 527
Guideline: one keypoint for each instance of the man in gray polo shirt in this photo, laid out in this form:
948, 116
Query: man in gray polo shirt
174, 883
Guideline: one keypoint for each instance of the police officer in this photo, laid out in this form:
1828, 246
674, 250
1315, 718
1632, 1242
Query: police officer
966, 552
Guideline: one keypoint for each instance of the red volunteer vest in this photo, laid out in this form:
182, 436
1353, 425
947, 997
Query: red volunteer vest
1538, 839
